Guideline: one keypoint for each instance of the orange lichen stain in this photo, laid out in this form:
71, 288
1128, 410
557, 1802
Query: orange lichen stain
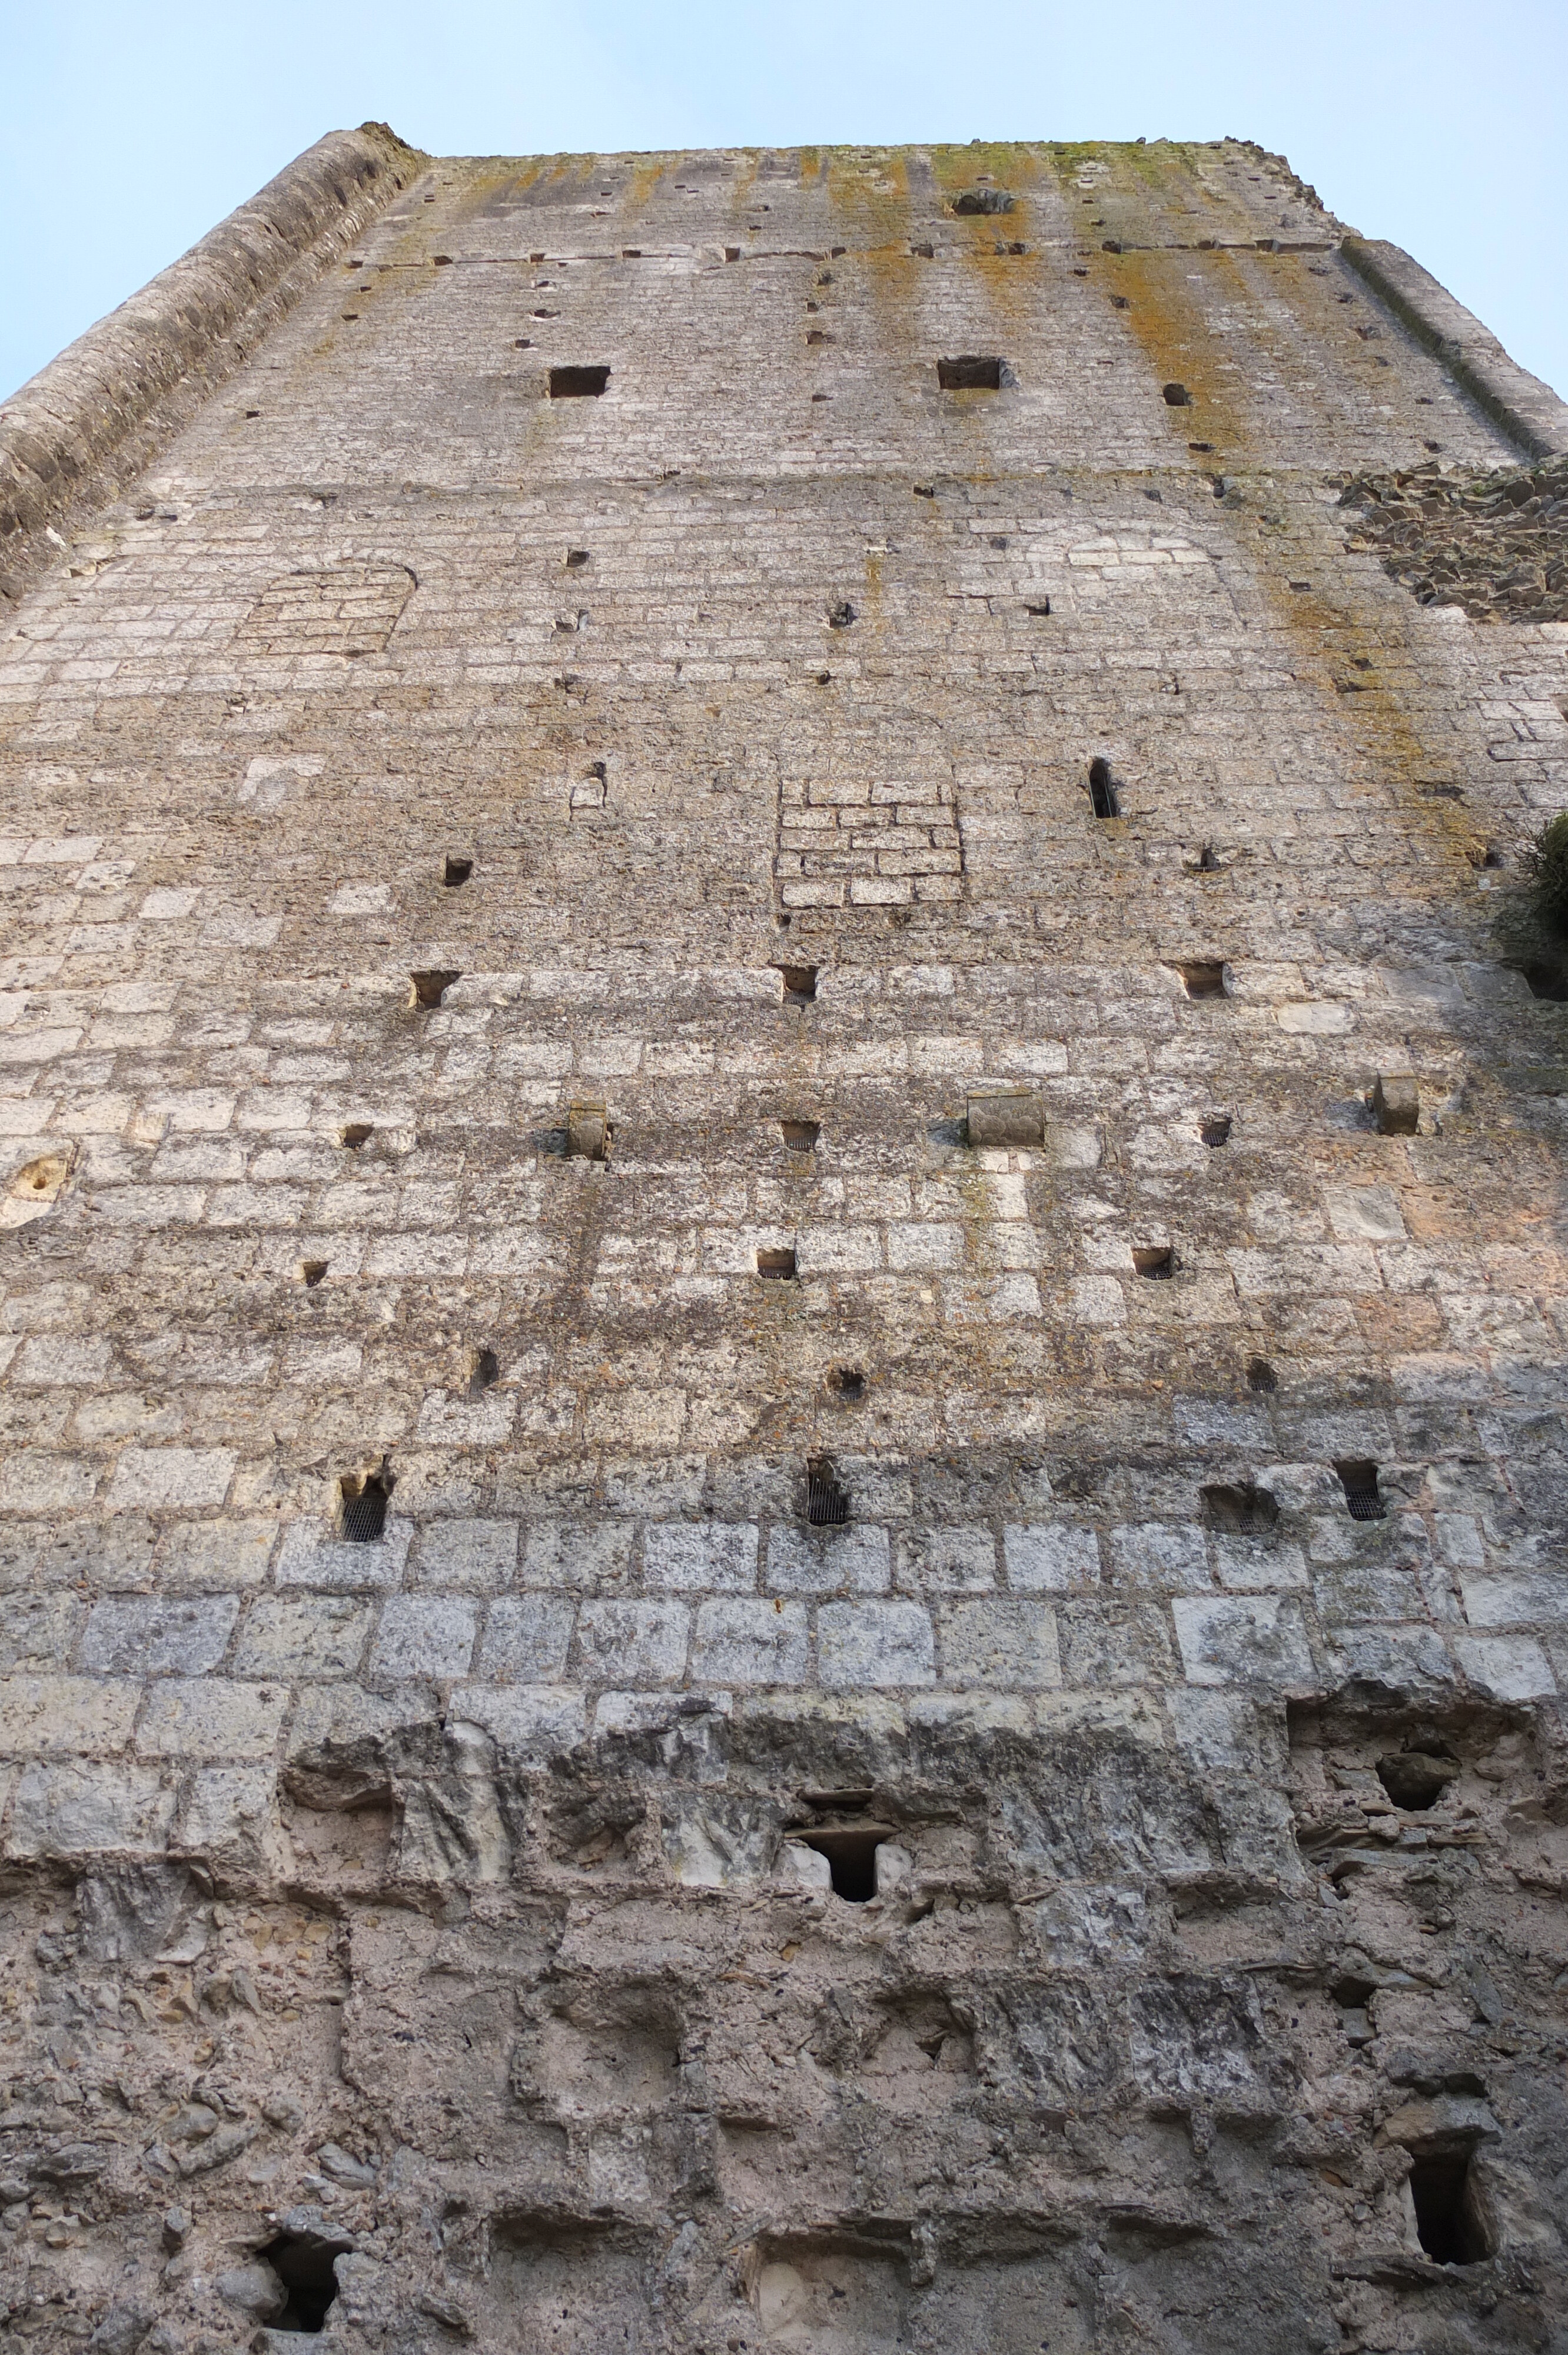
1349, 664
647, 172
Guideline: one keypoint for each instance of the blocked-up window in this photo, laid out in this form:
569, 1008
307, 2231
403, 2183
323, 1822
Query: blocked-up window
347, 609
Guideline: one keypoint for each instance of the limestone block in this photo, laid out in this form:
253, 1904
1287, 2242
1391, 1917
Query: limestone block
804, 1561
211, 1716
310, 1556
170, 1476
1260, 1643
872, 1644
1003, 1640
76, 1811
947, 1560
751, 1642
581, 1557
221, 1554
303, 1636
128, 1634
1171, 1557
633, 1642
1506, 1668
527, 1639
716, 1557
55, 1714
424, 1635
530, 1724
1047, 1557
481, 1554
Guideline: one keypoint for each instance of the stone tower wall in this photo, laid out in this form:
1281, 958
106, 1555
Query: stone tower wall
592, 975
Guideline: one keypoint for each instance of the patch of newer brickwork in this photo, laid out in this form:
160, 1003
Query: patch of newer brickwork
438, 1913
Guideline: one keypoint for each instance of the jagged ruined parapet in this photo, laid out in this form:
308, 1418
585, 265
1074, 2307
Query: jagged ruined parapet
780, 1151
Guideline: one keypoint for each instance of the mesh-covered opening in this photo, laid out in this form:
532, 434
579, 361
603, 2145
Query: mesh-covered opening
1102, 789
362, 1506
1359, 1481
1245, 1512
827, 1505
847, 1382
801, 1135
1214, 1128
779, 1264
1260, 1375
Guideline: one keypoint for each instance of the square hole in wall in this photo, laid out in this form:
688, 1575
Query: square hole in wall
577, 383
970, 372
1358, 1478
1203, 979
1157, 1261
801, 1135
428, 987
799, 984
827, 1503
779, 1264
1240, 1508
361, 1502
455, 871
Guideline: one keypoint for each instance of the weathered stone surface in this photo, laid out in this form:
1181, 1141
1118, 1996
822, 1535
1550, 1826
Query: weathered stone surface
781, 1518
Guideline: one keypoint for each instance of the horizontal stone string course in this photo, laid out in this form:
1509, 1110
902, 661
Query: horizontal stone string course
781, 1337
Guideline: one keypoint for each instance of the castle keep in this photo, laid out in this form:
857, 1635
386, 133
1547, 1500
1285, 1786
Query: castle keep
781, 1307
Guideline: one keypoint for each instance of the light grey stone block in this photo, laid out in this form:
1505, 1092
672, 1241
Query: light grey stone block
140, 1635
633, 1642
1165, 1555
298, 1636
529, 1724
73, 1811
311, 1556
712, 1557
424, 1635
804, 1561
1004, 1640
750, 1642
225, 1554
213, 1717
872, 1643
1259, 1641
587, 1557
1050, 1557
479, 1554
526, 1638
947, 1560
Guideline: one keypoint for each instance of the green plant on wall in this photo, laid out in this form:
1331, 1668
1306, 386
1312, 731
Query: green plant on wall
1548, 863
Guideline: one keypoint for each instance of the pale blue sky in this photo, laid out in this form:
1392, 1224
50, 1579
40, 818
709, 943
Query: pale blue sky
128, 130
